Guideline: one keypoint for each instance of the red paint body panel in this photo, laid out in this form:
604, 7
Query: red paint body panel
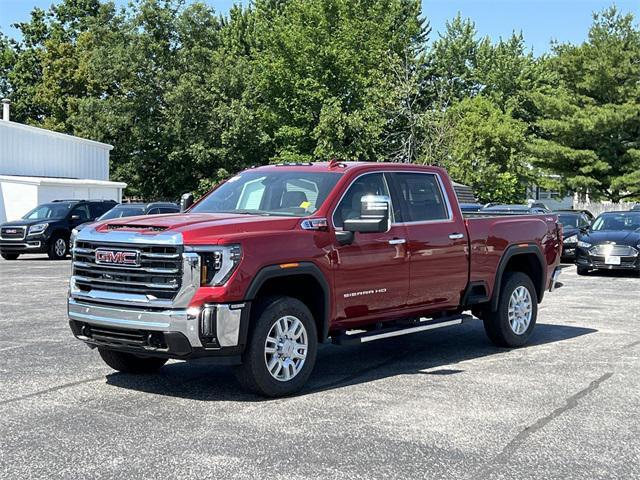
369, 280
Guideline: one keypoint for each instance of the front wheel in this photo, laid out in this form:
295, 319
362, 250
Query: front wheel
58, 248
130, 363
512, 323
582, 271
281, 350
10, 256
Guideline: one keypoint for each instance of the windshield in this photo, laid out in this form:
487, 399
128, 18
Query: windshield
49, 210
569, 220
281, 193
121, 211
617, 221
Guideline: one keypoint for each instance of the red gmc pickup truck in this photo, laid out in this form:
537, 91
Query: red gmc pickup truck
280, 258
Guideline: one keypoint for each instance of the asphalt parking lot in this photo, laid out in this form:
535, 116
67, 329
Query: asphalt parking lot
444, 404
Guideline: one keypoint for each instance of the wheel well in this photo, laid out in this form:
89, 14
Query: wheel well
529, 264
303, 287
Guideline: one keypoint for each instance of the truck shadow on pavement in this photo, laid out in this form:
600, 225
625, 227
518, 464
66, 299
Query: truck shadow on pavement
431, 353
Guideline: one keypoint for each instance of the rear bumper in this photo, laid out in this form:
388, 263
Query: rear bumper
217, 330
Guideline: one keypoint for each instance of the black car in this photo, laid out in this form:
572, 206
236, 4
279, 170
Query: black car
131, 210
573, 222
612, 242
47, 228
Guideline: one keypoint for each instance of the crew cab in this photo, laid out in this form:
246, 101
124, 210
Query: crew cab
280, 258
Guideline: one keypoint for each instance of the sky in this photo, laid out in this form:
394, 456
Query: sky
539, 20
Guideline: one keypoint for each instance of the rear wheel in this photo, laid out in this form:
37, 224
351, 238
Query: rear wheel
10, 256
130, 363
58, 247
512, 323
281, 350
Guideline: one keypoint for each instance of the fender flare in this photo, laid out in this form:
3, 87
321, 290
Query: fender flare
304, 268
510, 252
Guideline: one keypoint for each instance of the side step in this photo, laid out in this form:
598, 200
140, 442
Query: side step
420, 326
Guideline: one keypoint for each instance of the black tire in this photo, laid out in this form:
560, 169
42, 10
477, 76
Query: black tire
496, 324
582, 270
130, 363
10, 256
253, 374
53, 250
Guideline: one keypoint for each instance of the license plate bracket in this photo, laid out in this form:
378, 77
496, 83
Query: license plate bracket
612, 260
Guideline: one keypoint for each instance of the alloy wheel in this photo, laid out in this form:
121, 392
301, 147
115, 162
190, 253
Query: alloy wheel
285, 349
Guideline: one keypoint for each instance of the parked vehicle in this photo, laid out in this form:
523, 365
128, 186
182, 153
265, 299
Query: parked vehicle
612, 242
636, 208
282, 257
47, 228
131, 210
470, 207
573, 222
513, 209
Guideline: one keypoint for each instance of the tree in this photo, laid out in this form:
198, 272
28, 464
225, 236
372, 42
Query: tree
486, 151
589, 130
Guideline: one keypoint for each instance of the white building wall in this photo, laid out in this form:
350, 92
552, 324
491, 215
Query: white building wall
16, 199
31, 151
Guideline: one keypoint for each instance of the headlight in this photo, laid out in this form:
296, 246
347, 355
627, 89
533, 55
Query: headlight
571, 239
583, 244
39, 228
218, 263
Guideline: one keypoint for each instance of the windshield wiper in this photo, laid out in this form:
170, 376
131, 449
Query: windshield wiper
245, 212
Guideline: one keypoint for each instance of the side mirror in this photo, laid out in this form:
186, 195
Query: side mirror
374, 215
186, 200
75, 217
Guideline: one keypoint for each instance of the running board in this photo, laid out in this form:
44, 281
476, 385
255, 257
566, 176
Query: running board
379, 334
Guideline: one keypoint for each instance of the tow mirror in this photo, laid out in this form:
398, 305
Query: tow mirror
186, 200
374, 215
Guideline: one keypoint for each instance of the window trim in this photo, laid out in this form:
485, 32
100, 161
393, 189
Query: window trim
443, 192
386, 182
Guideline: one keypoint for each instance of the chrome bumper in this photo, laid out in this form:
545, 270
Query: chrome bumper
184, 321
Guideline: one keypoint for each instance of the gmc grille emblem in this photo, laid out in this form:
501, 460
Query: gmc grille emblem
118, 257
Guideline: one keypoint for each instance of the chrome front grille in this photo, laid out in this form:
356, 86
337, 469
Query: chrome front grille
613, 250
13, 233
158, 275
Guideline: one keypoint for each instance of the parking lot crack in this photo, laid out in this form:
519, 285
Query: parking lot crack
49, 390
515, 443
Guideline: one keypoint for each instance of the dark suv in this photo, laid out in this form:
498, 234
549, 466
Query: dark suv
47, 228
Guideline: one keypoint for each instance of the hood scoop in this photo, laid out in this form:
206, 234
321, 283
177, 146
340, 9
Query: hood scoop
137, 228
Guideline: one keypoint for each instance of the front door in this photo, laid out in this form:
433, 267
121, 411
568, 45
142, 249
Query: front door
371, 275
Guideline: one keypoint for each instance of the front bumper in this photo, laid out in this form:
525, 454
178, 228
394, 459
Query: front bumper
586, 260
23, 246
215, 330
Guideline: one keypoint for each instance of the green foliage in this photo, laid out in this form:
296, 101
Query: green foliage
486, 152
189, 97
589, 127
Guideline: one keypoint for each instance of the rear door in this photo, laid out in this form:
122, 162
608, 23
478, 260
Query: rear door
371, 274
437, 241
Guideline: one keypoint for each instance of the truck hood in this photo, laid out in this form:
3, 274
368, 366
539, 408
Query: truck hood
191, 228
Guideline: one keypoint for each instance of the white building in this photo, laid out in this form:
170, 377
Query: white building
38, 166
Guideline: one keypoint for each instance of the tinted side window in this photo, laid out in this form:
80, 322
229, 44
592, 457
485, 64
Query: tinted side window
422, 196
153, 211
97, 209
168, 210
349, 207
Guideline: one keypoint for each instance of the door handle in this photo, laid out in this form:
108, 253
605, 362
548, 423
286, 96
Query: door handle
397, 241
456, 236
